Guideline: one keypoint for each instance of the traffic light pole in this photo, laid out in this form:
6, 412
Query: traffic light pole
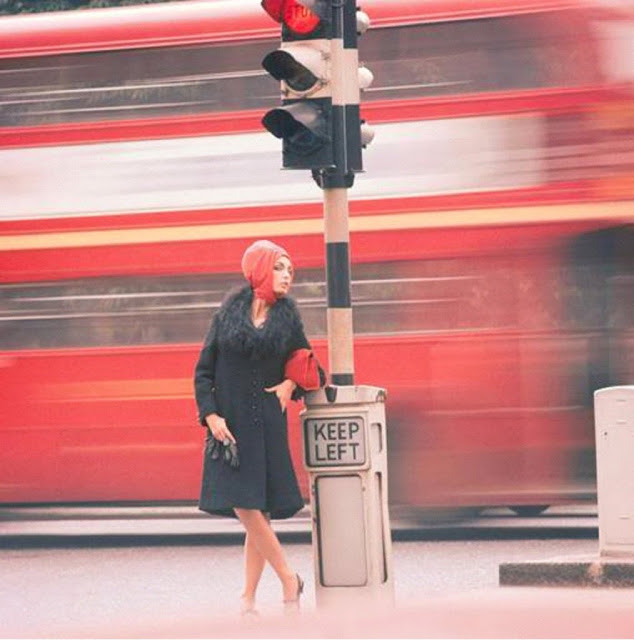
339, 314
335, 184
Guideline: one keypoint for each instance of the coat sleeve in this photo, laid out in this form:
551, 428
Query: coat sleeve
205, 377
301, 342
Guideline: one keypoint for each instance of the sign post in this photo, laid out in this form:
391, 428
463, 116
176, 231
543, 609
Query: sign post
346, 457
345, 453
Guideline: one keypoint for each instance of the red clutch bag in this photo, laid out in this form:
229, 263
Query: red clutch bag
302, 368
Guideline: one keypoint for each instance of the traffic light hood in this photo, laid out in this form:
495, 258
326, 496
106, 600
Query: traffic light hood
257, 266
304, 129
301, 67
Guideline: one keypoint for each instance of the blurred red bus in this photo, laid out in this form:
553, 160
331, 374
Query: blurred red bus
490, 240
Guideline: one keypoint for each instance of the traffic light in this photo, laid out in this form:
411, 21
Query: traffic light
317, 66
302, 65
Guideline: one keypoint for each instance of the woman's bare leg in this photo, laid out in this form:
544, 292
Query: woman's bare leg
254, 563
262, 536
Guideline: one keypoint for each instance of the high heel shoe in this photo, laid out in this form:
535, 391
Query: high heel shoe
293, 604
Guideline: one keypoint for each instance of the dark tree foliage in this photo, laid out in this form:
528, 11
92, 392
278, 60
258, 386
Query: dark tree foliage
37, 6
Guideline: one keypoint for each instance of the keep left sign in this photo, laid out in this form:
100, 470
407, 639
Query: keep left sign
335, 441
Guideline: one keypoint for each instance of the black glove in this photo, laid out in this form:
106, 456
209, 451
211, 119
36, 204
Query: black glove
226, 450
230, 454
214, 448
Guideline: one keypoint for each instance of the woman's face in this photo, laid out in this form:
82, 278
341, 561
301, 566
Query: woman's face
282, 276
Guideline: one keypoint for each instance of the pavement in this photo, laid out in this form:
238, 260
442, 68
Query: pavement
54, 525
487, 613
70, 525
508, 612
547, 610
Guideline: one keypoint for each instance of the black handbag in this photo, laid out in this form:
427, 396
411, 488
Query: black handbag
226, 450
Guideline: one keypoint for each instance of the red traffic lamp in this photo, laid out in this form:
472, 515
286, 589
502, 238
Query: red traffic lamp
301, 19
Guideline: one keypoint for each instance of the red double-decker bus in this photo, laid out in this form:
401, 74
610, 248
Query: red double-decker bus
491, 240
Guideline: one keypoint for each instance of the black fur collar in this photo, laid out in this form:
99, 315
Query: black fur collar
235, 331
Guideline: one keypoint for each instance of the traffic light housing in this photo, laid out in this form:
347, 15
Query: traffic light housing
302, 65
317, 66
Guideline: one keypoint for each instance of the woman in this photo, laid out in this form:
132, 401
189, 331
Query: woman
242, 394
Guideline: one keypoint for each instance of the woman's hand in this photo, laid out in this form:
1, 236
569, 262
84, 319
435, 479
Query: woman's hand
283, 391
219, 428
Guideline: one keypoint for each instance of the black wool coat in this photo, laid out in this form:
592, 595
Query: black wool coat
237, 362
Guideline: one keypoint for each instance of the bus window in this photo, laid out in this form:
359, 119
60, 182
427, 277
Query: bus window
387, 298
497, 54
136, 83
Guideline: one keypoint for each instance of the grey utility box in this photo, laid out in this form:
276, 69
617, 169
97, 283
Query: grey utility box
346, 457
614, 430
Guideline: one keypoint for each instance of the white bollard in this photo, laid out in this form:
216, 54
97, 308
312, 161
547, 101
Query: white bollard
614, 430
345, 453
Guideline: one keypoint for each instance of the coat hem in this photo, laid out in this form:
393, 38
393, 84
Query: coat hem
279, 513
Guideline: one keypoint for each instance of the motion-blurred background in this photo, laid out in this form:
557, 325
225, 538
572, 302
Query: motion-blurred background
491, 239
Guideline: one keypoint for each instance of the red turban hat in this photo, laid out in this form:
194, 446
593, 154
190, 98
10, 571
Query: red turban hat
257, 266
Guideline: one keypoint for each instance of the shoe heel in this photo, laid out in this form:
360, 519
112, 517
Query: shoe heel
291, 606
